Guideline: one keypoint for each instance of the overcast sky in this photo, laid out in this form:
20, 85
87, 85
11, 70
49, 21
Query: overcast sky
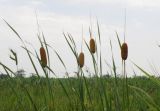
56, 16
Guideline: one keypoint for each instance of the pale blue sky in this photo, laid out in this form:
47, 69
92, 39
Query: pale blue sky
56, 16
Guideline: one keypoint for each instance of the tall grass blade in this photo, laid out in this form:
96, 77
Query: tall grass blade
31, 100
60, 59
147, 74
12, 88
13, 30
99, 34
119, 42
33, 64
149, 99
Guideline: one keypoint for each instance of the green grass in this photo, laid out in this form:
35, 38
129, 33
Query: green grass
9, 102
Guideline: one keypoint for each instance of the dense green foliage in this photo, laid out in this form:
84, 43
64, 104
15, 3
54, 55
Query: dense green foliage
38, 90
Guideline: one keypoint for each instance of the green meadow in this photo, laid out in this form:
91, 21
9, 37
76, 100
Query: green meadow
144, 95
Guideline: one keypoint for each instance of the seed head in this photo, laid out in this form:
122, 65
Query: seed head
124, 51
43, 57
81, 59
92, 45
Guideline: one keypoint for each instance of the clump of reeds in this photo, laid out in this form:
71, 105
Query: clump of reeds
124, 51
43, 57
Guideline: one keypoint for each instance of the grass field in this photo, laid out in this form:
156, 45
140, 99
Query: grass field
137, 100
81, 93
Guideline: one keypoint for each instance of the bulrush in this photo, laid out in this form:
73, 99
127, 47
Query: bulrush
43, 57
92, 46
81, 59
124, 51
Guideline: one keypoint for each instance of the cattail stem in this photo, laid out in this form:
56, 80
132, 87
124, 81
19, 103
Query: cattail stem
125, 24
90, 32
91, 22
82, 39
124, 84
124, 63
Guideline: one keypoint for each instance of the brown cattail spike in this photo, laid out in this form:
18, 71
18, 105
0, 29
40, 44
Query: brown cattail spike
43, 57
124, 51
92, 46
81, 59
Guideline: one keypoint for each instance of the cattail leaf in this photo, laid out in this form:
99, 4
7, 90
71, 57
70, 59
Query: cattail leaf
51, 71
7, 68
15, 56
71, 38
12, 52
88, 47
116, 81
73, 42
99, 34
12, 58
119, 42
147, 74
60, 59
113, 61
13, 30
64, 89
148, 99
90, 32
30, 98
32, 62
40, 40
73, 51
13, 88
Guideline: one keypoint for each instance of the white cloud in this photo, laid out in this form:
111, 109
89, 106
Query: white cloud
144, 3
135, 3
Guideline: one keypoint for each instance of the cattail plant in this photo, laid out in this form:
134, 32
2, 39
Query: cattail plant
81, 55
81, 59
124, 55
92, 45
43, 57
124, 51
124, 47
92, 41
